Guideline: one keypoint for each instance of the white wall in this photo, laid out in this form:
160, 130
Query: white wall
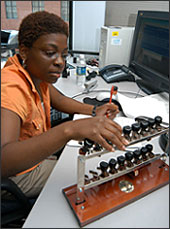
88, 17
124, 13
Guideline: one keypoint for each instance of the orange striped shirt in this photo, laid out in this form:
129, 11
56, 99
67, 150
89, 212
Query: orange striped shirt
19, 95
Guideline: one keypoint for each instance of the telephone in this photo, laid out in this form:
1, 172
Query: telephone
115, 73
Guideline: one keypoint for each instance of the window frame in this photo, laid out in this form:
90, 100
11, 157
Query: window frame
11, 10
64, 9
39, 7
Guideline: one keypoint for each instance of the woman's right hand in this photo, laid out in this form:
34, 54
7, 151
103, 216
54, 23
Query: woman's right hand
98, 129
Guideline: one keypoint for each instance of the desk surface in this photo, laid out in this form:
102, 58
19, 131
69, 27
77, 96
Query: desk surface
68, 85
51, 209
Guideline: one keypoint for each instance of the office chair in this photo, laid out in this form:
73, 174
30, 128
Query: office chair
14, 210
58, 117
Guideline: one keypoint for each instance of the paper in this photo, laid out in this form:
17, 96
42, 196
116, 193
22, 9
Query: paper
149, 106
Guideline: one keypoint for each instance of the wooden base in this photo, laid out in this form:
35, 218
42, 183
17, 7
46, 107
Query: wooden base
107, 197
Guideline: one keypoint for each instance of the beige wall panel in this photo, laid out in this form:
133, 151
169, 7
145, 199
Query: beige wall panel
124, 13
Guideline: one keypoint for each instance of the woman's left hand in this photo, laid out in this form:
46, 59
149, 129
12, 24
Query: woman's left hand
108, 109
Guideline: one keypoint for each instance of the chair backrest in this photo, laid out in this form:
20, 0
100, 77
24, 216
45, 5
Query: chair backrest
16, 206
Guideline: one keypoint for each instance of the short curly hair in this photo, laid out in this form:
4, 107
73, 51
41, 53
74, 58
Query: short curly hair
39, 23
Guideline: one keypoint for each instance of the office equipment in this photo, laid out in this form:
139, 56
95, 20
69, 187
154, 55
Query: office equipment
91, 84
122, 180
9, 44
116, 73
4, 37
150, 51
9, 37
149, 58
115, 45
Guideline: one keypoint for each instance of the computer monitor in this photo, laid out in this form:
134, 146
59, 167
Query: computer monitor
4, 37
150, 51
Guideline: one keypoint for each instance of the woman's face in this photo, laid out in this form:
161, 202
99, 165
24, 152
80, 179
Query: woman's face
45, 60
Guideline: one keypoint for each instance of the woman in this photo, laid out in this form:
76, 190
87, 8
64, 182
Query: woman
26, 96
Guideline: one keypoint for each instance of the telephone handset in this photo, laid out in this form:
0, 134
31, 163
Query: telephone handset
115, 73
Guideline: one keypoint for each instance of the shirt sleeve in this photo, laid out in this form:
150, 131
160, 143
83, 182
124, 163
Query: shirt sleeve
14, 98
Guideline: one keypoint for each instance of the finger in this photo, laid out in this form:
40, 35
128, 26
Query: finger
119, 142
102, 141
113, 111
115, 125
112, 106
112, 115
116, 140
115, 131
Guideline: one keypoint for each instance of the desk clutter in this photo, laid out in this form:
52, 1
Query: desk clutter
112, 183
134, 107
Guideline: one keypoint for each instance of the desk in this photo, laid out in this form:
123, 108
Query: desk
69, 88
51, 209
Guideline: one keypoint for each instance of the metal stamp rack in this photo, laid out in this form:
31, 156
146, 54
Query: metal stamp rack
122, 181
